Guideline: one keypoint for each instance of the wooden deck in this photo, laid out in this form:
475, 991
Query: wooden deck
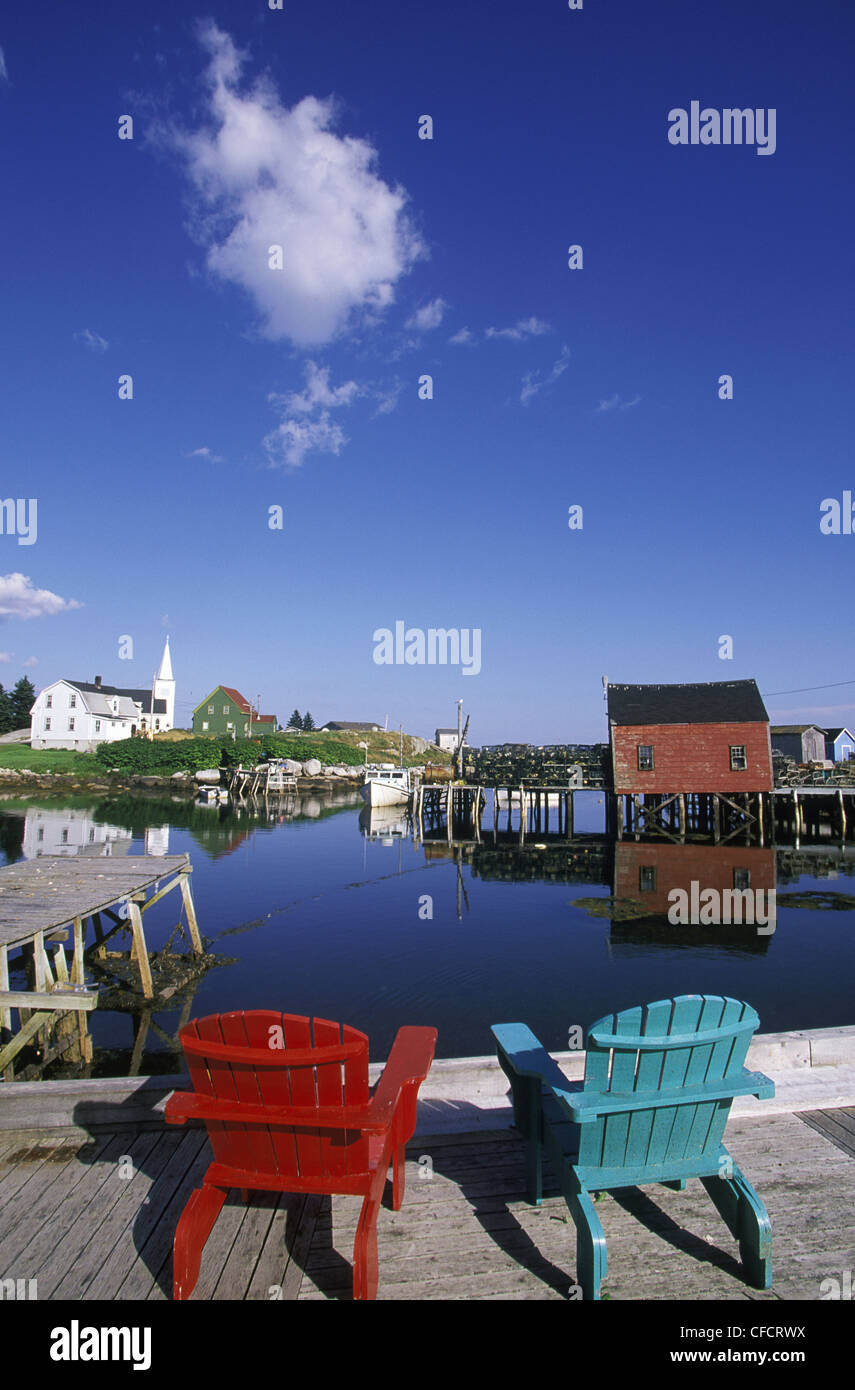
95, 1220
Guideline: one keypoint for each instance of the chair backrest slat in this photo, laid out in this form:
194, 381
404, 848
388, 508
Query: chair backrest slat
672, 1044
314, 1079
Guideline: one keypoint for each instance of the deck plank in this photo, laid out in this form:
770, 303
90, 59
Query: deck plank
465, 1233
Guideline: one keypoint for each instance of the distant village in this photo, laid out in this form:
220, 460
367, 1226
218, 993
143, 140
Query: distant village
79, 715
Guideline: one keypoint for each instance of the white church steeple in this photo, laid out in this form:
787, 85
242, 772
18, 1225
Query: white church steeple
164, 688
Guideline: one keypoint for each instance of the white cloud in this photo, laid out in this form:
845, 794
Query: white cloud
298, 434
4, 74
532, 382
93, 341
6, 656
525, 328
318, 393
18, 599
463, 336
205, 453
267, 175
615, 403
428, 316
30, 661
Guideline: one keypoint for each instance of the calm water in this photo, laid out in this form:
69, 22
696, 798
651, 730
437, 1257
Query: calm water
326, 915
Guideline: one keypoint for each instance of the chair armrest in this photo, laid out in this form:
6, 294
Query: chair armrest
184, 1105
588, 1106
519, 1050
406, 1068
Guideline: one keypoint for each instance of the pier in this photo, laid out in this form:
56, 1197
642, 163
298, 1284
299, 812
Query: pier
465, 1230
42, 902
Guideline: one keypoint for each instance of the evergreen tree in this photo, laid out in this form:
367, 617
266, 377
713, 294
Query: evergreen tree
308, 723
296, 720
21, 700
7, 718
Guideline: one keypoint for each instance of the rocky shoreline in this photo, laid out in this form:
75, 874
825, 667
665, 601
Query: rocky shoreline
182, 785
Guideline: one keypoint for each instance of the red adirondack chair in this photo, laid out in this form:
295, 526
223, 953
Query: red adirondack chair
288, 1108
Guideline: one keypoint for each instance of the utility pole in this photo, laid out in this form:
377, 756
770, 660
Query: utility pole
459, 738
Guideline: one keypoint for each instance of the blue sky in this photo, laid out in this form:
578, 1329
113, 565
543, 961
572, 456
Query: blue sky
299, 387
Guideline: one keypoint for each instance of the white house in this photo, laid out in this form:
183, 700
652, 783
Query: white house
82, 714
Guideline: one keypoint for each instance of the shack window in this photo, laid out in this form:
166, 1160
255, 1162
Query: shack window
738, 760
645, 757
647, 878
97, 726
741, 879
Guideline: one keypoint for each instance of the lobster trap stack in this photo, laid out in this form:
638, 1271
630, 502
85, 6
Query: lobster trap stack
585, 765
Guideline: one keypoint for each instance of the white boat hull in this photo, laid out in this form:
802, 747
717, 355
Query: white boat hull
384, 794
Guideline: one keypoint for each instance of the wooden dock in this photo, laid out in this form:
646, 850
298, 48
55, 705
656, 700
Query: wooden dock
41, 902
95, 1220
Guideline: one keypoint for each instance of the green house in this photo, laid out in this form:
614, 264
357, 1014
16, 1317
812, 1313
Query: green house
225, 711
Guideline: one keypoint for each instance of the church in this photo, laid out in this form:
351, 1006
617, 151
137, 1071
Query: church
82, 714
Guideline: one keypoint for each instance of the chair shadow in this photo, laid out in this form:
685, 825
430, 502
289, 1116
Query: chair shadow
131, 1126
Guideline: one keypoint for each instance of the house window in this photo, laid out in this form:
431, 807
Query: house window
71, 726
210, 709
41, 833
227, 709
742, 879
48, 702
647, 878
204, 726
97, 726
72, 702
91, 834
645, 757
738, 760
47, 724
157, 723
230, 725
64, 836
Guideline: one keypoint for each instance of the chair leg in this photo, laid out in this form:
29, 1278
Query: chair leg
399, 1176
527, 1118
194, 1226
748, 1221
678, 1185
365, 1266
591, 1261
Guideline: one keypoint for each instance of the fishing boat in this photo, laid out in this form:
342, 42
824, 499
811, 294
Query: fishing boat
383, 784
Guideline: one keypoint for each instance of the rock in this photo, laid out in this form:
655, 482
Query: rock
312, 767
209, 776
182, 776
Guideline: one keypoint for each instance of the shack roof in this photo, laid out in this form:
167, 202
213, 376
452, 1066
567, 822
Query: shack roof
715, 702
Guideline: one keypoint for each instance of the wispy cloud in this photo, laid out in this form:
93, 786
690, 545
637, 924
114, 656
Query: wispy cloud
428, 316
266, 175
30, 661
18, 599
525, 328
463, 335
6, 656
205, 453
93, 341
533, 382
4, 72
616, 403
307, 425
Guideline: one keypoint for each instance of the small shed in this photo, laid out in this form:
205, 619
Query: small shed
839, 745
804, 742
675, 739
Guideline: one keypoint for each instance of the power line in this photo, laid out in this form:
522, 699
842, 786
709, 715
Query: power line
804, 688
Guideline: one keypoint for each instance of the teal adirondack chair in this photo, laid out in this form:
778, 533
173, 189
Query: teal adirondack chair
659, 1084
